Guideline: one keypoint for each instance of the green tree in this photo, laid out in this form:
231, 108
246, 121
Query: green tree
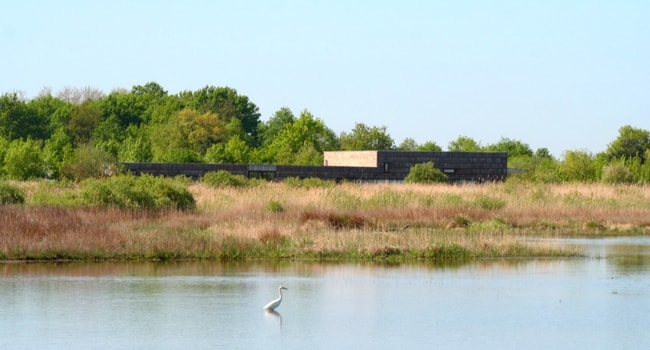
201, 130
136, 146
306, 133
630, 143
235, 151
538, 169
464, 144
83, 121
616, 173
19, 121
182, 155
235, 129
164, 138
408, 144
124, 107
226, 103
4, 146
429, 146
278, 122
89, 162
157, 105
52, 111
56, 152
514, 148
161, 110
363, 137
109, 135
149, 97
642, 172
543, 153
578, 166
23, 160
308, 155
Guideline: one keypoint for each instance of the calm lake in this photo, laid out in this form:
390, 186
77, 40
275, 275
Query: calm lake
598, 302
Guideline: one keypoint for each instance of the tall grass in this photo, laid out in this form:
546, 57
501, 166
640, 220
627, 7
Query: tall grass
349, 221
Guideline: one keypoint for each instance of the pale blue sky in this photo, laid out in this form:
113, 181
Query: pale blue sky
558, 74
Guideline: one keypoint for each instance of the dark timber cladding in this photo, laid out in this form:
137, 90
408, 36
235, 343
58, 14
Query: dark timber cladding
458, 166
351, 165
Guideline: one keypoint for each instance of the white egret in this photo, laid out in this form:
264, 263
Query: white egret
275, 303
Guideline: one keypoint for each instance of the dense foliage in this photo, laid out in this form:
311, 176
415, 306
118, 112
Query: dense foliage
83, 133
131, 192
10, 194
425, 173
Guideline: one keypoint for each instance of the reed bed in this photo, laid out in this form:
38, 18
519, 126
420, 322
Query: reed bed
346, 221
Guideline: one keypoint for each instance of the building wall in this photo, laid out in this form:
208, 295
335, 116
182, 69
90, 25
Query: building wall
395, 165
353, 165
458, 166
350, 158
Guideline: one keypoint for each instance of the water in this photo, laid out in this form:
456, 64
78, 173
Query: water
599, 302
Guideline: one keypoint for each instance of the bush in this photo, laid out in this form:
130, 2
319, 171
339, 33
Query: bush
224, 178
616, 174
130, 192
10, 194
23, 160
425, 173
310, 182
90, 162
167, 193
55, 194
274, 207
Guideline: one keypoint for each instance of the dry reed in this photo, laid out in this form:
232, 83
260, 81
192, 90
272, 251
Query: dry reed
352, 221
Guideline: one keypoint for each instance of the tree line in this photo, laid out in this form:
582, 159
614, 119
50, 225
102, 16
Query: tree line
82, 133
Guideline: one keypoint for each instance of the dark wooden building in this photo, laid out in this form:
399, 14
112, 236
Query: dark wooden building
395, 165
352, 165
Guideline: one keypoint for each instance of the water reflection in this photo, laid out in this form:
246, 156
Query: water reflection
596, 302
626, 254
272, 314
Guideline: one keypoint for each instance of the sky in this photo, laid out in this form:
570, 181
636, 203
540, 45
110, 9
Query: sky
563, 75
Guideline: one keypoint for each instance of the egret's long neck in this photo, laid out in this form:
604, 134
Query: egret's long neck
280, 292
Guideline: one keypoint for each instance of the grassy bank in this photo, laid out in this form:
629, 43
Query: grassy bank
323, 221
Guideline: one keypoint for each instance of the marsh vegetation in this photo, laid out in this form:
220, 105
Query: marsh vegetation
308, 219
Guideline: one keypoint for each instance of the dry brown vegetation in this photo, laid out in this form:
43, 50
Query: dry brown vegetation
349, 221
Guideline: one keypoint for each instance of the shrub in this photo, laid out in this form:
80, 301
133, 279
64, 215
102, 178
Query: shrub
224, 178
23, 160
274, 207
10, 194
425, 173
167, 193
55, 194
89, 161
310, 182
130, 192
616, 174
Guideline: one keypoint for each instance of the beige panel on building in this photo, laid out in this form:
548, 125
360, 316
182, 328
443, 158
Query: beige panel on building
350, 158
